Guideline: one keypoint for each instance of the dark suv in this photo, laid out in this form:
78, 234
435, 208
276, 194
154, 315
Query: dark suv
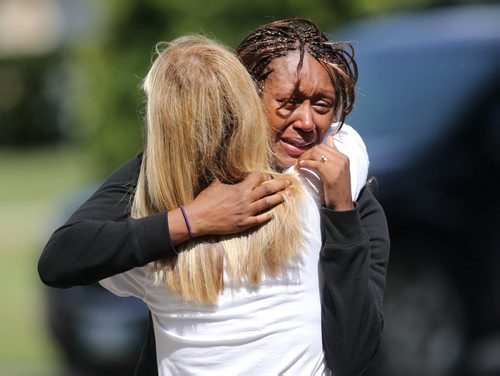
428, 108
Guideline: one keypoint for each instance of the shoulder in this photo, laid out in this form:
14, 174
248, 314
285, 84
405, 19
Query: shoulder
127, 173
348, 131
348, 136
350, 143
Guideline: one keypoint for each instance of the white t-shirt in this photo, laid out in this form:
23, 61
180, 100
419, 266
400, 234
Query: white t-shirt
274, 329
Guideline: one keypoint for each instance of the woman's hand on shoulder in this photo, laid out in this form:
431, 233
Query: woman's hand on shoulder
233, 208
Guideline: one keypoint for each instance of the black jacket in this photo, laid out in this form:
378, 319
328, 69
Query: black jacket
100, 240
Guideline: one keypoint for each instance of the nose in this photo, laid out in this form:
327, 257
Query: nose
303, 117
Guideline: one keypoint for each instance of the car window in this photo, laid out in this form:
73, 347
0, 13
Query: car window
418, 94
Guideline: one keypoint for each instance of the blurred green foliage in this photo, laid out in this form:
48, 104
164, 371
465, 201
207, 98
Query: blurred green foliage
88, 90
110, 68
29, 100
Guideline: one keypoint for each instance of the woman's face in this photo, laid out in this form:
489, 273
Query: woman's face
300, 124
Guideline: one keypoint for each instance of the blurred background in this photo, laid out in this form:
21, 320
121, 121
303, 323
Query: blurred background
428, 108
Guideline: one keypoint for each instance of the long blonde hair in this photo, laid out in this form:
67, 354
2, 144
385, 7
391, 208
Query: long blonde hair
205, 121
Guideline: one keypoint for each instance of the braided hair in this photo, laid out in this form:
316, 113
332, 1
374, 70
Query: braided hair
278, 38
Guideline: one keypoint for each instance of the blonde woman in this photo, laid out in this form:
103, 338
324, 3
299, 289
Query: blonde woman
225, 304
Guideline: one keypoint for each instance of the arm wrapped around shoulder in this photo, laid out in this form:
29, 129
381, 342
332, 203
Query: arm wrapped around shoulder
100, 239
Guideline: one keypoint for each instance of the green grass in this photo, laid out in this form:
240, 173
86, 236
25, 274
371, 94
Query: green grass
33, 187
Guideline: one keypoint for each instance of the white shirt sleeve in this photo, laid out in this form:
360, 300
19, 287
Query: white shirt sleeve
130, 283
350, 143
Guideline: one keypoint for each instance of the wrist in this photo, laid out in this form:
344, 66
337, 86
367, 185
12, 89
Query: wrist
341, 228
195, 222
346, 206
186, 221
177, 226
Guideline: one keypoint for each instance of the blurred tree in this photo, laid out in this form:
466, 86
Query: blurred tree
29, 100
100, 103
107, 71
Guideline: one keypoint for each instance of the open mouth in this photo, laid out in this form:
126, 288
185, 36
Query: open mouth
295, 147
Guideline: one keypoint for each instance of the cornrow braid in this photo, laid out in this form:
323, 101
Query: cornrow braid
278, 38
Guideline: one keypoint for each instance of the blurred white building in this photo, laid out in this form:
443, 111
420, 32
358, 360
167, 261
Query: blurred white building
37, 27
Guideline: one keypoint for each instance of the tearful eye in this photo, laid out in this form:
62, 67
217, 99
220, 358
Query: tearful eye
288, 104
323, 107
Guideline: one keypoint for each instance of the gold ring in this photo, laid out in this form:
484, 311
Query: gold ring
323, 159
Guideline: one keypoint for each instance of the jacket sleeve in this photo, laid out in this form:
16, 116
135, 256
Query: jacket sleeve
100, 239
353, 260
